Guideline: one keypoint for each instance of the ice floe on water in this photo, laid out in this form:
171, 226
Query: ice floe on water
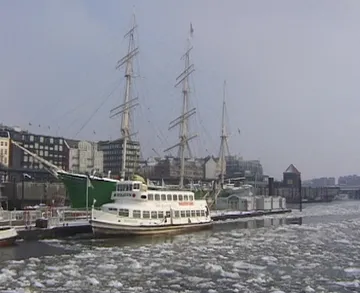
315, 257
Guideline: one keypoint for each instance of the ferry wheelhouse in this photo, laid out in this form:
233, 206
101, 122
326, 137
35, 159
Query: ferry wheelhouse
138, 209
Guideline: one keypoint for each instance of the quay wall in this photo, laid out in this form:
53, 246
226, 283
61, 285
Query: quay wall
20, 194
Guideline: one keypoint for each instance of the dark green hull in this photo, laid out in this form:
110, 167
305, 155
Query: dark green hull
76, 188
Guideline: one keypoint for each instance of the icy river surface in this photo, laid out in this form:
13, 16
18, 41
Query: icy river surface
321, 255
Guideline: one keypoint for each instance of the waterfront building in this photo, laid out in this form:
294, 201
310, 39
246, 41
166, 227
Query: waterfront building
84, 157
112, 156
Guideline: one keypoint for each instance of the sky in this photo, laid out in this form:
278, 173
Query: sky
292, 70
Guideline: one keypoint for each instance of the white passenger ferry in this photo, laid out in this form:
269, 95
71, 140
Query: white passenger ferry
140, 210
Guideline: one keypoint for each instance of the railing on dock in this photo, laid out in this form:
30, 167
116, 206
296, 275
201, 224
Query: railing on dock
55, 217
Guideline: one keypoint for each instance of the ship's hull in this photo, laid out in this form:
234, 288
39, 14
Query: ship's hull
102, 229
76, 187
8, 237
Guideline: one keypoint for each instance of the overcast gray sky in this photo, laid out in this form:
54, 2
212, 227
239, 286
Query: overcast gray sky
292, 70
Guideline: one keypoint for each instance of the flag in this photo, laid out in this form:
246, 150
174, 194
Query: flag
88, 182
191, 30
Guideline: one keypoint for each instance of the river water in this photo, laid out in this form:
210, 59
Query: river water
320, 255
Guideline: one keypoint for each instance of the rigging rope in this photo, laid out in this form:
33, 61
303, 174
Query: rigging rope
97, 109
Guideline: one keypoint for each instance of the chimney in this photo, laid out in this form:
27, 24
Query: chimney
271, 186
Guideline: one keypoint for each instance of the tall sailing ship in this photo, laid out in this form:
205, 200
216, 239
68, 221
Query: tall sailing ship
140, 210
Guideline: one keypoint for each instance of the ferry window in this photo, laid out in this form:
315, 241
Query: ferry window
143, 196
150, 196
186, 198
136, 186
191, 198
157, 197
180, 197
176, 214
174, 197
154, 215
198, 213
163, 197
123, 212
182, 214
130, 187
187, 214
192, 213
202, 213
169, 197
136, 214
146, 214
161, 214
167, 214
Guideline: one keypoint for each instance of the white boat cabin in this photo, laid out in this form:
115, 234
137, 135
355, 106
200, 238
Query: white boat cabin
139, 191
133, 199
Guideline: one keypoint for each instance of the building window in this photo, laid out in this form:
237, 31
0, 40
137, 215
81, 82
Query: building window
51, 140
31, 138
5, 143
1, 143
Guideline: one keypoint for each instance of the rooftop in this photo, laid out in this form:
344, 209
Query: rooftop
292, 169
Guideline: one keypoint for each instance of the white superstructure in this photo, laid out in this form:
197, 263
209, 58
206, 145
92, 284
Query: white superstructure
138, 210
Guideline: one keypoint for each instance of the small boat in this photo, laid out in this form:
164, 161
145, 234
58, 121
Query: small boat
138, 210
8, 236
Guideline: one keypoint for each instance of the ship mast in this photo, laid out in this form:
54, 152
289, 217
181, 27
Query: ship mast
224, 147
128, 103
183, 119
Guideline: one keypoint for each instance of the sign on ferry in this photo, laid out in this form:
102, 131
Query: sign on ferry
186, 203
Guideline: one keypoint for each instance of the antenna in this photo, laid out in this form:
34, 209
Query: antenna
128, 103
224, 147
186, 113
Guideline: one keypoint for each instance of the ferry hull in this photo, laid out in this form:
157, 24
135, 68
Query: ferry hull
76, 188
108, 229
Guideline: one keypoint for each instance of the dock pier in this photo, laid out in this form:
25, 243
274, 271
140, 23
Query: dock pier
59, 223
